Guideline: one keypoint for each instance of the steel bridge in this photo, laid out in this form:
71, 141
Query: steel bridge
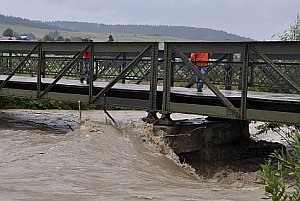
245, 80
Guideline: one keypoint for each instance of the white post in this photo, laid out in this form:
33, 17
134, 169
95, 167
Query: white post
79, 107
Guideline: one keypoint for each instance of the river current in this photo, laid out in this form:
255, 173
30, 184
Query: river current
47, 155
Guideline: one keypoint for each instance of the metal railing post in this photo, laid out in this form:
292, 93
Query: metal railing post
228, 70
39, 71
244, 82
91, 72
167, 78
123, 65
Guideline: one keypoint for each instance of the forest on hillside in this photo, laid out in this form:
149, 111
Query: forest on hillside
27, 23
183, 32
158, 30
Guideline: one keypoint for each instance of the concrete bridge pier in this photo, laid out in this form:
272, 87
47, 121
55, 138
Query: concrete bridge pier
193, 135
151, 117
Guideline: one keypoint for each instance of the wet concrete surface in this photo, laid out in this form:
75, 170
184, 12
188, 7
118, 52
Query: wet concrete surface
49, 122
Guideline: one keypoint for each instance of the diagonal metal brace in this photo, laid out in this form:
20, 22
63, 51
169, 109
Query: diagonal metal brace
64, 70
275, 68
217, 62
222, 98
121, 75
18, 67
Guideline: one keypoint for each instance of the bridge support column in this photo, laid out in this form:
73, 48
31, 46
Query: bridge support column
197, 134
165, 119
151, 117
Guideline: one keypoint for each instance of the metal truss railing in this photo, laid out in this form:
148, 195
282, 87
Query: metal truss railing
227, 74
270, 67
105, 68
262, 76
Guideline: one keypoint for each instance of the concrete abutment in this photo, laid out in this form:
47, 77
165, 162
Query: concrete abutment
197, 134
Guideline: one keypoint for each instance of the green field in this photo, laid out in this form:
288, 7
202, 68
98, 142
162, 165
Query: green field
40, 33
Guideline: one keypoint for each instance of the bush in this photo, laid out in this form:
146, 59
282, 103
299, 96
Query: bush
22, 103
294, 33
282, 178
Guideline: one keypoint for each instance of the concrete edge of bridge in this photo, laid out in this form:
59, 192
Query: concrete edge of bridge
195, 134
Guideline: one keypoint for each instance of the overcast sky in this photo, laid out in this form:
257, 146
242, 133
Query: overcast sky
257, 19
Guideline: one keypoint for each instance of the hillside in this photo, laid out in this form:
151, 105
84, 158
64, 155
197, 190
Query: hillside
27, 23
190, 33
40, 33
99, 32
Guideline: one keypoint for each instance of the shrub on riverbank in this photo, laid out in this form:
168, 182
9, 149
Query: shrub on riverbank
43, 104
282, 175
21, 103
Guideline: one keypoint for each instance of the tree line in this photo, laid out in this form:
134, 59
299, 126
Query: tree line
184, 32
52, 36
27, 23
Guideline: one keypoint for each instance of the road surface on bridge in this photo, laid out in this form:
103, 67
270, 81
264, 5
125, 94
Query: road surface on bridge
176, 90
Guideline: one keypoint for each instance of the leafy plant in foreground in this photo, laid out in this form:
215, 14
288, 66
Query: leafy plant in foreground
282, 178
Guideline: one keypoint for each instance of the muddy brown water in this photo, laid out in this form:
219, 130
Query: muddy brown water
46, 155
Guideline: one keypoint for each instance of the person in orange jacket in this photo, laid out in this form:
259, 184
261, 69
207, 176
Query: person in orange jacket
200, 59
86, 67
85, 71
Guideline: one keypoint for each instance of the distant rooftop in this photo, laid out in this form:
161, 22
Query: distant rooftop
7, 38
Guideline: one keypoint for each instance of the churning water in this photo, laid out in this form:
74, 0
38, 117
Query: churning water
97, 161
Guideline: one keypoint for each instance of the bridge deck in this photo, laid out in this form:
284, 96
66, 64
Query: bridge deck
138, 95
237, 94
260, 105
175, 90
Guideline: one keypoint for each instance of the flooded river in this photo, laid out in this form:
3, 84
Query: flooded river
47, 155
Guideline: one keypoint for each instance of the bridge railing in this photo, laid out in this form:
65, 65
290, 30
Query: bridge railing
57, 61
105, 67
226, 73
239, 66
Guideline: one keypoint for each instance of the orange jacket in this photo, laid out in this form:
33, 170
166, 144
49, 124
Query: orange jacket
87, 55
200, 58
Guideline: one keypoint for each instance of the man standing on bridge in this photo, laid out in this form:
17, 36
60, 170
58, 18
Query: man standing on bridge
85, 71
200, 59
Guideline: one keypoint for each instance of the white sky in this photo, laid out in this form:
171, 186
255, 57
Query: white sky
257, 19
